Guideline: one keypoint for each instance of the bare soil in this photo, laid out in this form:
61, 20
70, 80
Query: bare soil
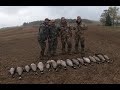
20, 47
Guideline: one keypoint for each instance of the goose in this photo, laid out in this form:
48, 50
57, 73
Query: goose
59, 63
100, 57
63, 63
34, 68
27, 68
41, 67
54, 65
81, 61
69, 63
87, 60
48, 65
19, 71
107, 58
12, 71
92, 59
76, 62
97, 59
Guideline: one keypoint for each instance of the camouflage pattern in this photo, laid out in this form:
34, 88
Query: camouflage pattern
52, 39
79, 37
66, 35
42, 36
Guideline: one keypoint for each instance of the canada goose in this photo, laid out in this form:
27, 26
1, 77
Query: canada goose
69, 63
100, 57
63, 63
12, 71
92, 59
48, 65
34, 68
27, 68
54, 65
107, 58
87, 60
76, 62
97, 59
81, 61
59, 63
41, 67
19, 71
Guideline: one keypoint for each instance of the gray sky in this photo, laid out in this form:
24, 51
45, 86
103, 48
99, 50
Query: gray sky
17, 15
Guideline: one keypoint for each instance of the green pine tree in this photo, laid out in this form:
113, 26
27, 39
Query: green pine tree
108, 20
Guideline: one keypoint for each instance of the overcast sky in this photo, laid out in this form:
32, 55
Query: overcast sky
17, 15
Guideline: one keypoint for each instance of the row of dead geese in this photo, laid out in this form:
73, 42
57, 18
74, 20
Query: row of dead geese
97, 58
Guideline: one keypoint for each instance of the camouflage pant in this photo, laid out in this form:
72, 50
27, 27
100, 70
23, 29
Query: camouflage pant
80, 39
66, 41
52, 46
42, 44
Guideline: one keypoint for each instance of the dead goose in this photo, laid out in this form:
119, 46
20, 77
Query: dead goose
100, 57
41, 67
92, 59
48, 65
97, 59
54, 65
81, 61
76, 62
27, 68
33, 67
12, 71
107, 58
63, 63
69, 63
59, 63
19, 71
87, 60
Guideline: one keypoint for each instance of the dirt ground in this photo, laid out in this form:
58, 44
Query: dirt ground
20, 48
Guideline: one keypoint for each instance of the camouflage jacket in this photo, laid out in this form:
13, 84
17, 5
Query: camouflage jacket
43, 32
53, 32
79, 29
65, 31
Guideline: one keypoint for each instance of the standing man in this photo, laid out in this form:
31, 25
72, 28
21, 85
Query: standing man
43, 35
79, 36
52, 38
66, 35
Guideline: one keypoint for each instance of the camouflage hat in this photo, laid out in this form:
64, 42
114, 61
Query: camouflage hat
78, 17
62, 18
46, 19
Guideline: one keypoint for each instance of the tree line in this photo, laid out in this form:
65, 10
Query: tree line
71, 21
